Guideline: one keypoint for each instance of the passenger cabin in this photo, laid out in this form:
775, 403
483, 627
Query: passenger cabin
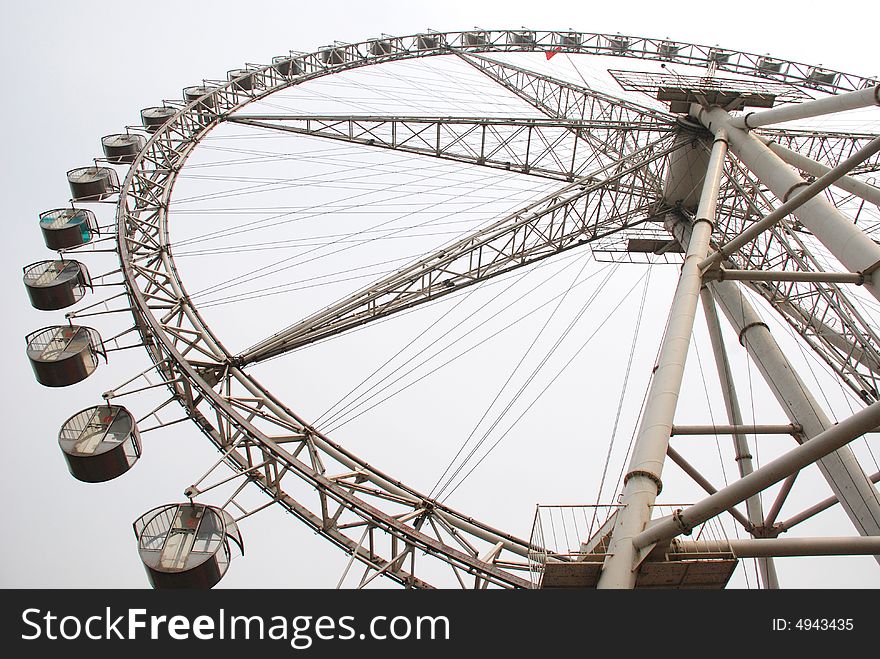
92, 183
154, 118
65, 354
100, 443
186, 545
123, 148
64, 228
53, 285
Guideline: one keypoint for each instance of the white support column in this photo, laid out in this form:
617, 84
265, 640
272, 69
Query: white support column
754, 507
841, 469
794, 203
817, 508
754, 429
642, 482
782, 547
856, 251
840, 103
849, 184
807, 453
723, 274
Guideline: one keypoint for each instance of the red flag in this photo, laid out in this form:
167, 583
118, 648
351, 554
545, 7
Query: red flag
551, 53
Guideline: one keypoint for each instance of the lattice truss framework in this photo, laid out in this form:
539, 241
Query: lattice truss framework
610, 158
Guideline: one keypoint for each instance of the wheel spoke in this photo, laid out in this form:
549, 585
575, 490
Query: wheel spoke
541, 147
579, 213
564, 100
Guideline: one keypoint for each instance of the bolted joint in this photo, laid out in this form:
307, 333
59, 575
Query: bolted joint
647, 474
794, 188
683, 526
764, 531
742, 332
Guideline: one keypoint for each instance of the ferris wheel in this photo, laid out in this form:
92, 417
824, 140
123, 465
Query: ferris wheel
494, 162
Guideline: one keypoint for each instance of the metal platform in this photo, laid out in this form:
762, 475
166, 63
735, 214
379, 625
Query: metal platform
641, 245
561, 561
691, 574
730, 93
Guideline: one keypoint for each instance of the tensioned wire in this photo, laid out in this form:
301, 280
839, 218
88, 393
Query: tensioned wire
335, 411
335, 205
510, 377
287, 100
358, 163
308, 241
483, 95
847, 394
276, 267
426, 75
406, 170
400, 163
302, 283
449, 169
516, 274
339, 421
546, 387
361, 210
300, 286
367, 104
459, 92
458, 84
236, 298
268, 269
336, 239
311, 212
623, 390
335, 152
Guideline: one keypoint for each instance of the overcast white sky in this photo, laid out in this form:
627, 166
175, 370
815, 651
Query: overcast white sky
77, 71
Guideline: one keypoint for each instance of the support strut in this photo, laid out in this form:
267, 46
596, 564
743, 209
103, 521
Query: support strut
642, 482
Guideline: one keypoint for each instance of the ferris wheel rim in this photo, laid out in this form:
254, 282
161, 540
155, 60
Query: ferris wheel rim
170, 362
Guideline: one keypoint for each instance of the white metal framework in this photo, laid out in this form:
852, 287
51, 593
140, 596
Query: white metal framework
611, 159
